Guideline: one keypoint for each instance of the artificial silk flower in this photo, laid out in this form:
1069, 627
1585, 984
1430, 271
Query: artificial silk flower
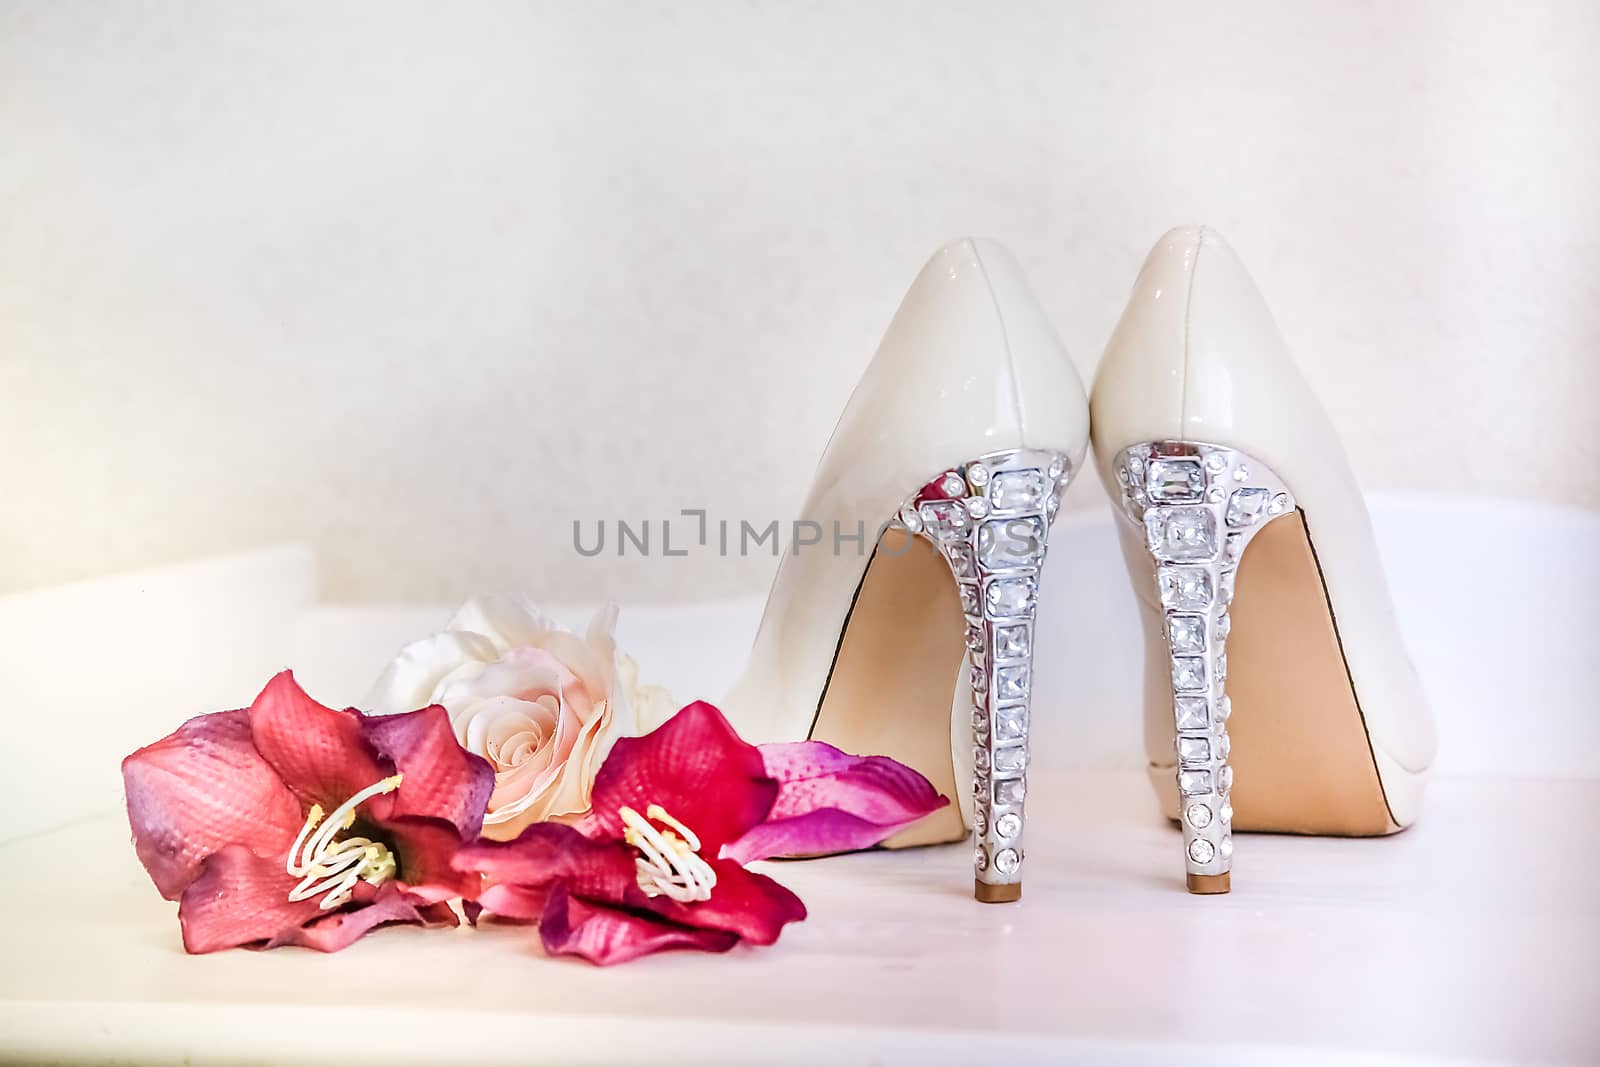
290, 823
659, 861
652, 705
829, 801
542, 705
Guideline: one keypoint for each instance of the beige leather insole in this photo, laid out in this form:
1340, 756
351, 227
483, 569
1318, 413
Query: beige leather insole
895, 672
1302, 759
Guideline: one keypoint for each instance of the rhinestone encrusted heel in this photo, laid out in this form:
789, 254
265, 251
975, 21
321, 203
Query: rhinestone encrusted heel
1199, 505
990, 520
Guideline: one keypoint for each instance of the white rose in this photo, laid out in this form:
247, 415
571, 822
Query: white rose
541, 704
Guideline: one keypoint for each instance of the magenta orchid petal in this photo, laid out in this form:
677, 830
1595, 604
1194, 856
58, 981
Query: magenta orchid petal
391, 906
515, 902
570, 927
240, 900
549, 852
223, 809
745, 903
200, 788
548, 856
541, 854
696, 767
830, 801
821, 833
440, 801
424, 850
317, 751
441, 779
600, 891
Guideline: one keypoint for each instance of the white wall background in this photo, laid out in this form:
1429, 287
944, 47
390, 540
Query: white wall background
421, 284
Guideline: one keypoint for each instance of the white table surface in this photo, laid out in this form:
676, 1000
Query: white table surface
1475, 935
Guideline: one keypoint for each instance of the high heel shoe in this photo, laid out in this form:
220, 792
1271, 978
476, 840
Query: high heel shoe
1244, 525
955, 448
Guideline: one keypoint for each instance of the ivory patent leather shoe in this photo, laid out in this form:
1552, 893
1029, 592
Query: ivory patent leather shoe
954, 449
1278, 693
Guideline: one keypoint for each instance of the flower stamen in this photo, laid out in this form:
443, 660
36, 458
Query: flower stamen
322, 863
671, 865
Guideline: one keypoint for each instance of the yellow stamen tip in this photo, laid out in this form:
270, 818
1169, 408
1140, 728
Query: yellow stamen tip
393, 782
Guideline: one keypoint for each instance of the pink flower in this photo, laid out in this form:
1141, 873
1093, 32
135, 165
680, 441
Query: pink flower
658, 862
289, 823
829, 801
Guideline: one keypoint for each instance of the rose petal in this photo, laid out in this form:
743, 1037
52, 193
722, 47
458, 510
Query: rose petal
600, 734
562, 789
602, 632
505, 621
441, 780
586, 668
601, 935
518, 801
319, 753
643, 707
829, 801
416, 671
552, 782
696, 767
487, 721
524, 673
241, 899
202, 787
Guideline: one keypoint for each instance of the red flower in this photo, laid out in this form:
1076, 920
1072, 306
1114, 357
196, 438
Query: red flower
289, 823
658, 861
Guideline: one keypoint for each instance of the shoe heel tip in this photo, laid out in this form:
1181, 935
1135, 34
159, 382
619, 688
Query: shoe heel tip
1208, 884
997, 894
